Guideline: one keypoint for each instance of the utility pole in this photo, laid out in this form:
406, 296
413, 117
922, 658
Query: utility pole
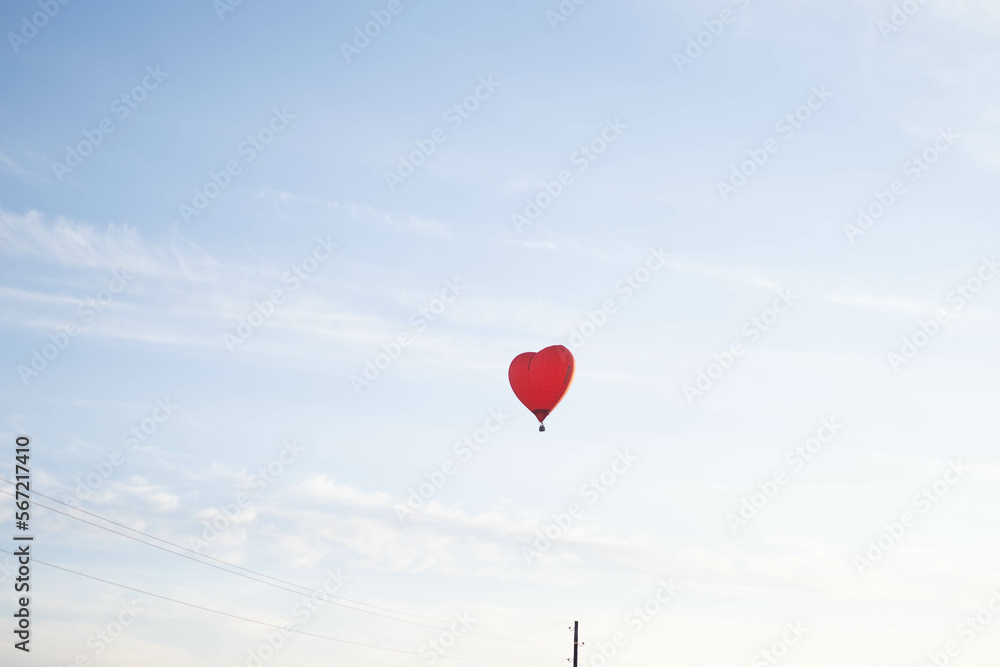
576, 639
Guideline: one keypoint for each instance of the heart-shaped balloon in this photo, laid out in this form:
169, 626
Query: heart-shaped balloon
541, 379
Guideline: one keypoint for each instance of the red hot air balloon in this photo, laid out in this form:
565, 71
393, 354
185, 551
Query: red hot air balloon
541, 379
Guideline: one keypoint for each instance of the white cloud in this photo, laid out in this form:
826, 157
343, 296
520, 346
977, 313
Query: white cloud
407, 223
79, 245
8, 165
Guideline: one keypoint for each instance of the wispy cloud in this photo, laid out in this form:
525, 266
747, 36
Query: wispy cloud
75, 244
407, 223
9, 166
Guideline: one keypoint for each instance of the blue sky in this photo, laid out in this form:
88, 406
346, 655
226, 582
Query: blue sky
301, 244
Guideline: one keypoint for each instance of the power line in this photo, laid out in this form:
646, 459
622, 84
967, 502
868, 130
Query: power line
259, 574
156, 546
251, 620
312, 592
206, 556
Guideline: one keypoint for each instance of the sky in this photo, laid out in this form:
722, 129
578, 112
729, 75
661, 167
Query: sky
264, 267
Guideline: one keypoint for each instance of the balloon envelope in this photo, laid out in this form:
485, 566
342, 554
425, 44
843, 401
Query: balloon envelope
541, 379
